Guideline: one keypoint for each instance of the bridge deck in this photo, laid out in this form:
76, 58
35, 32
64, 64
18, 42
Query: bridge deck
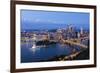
75, 43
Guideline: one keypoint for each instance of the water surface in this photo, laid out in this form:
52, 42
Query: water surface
39, 54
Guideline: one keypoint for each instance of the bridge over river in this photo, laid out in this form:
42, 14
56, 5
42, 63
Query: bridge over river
76, 41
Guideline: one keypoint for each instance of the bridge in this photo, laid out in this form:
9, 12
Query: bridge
76, 42
73, 41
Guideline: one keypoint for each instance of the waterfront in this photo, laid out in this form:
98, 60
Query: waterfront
29, 54
61, 44
53, 52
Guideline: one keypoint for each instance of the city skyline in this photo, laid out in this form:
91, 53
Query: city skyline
53, 20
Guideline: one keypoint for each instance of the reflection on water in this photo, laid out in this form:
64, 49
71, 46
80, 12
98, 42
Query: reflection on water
32, 53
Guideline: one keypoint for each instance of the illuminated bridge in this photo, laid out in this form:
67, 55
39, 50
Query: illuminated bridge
76, 42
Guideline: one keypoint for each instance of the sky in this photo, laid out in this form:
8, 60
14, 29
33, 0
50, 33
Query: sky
32, 19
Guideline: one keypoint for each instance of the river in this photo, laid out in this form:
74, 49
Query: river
44, 53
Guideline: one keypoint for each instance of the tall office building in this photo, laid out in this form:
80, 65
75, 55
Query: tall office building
81, 32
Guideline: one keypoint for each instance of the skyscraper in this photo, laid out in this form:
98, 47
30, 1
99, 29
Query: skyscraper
81, 32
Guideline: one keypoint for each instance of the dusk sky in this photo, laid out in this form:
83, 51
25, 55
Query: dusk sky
31, 19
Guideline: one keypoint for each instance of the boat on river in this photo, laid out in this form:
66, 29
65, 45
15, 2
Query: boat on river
35, 46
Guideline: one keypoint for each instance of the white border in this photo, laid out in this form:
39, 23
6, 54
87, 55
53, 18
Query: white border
52, 64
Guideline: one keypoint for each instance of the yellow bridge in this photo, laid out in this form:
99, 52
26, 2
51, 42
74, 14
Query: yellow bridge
76, 42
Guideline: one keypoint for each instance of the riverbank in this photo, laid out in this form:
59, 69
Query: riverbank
55, 52
80, 55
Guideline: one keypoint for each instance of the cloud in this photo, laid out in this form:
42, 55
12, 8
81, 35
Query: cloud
37, 20
43, 21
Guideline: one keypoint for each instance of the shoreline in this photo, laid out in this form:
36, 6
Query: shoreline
79, 55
